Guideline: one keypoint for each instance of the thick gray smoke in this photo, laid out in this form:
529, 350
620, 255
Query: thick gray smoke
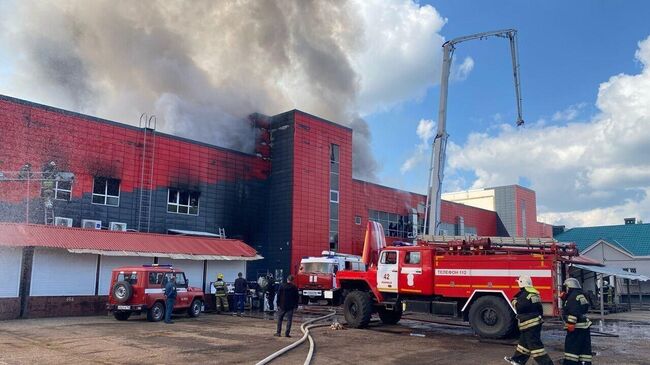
202, 66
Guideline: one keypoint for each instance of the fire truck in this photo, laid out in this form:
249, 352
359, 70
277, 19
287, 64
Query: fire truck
316, 279
472, 279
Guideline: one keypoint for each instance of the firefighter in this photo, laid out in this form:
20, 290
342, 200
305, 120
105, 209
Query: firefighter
577, 344
528, 305
220, 294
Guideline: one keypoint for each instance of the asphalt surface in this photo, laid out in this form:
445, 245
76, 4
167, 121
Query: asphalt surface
224, 339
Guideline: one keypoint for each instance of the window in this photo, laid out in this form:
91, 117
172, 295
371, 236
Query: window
106, 191
320, 267
156, 278
357, 220
181, 282
389, 257
412, 257
130, 277
62, 190
334, 196
395, 225
182, 202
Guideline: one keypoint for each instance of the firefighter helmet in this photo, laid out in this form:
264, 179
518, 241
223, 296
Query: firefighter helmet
220, 276
524, 281
572, 283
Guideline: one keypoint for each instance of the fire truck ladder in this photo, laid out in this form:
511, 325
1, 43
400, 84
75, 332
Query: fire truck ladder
148, 125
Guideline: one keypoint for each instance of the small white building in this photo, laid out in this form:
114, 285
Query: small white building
51, 271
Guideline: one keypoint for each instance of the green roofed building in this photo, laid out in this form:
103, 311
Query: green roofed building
625, 246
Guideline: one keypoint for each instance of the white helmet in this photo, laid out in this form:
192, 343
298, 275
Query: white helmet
572, 283
524, 281
605, 282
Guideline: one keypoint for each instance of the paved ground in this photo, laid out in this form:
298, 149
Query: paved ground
231, 340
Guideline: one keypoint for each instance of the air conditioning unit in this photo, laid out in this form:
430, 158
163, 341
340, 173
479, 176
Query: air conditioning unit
63, 221
91, 223
117, 226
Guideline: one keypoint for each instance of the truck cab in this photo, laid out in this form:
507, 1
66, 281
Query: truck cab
316, 278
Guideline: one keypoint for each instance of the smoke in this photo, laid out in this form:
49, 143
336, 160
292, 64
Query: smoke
202, 66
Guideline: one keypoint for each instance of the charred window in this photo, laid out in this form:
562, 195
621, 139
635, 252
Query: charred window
106, 191
183, 202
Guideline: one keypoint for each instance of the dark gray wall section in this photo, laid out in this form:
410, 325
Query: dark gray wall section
506, 206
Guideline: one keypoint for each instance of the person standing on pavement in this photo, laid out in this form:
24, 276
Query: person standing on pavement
170, 295
528, 305
271, 292
577, 344
287, 303
220, 294
241, 288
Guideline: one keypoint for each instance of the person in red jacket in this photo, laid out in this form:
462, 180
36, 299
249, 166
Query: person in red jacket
287, 303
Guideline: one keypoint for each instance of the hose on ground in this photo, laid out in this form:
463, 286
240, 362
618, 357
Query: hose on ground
305, 327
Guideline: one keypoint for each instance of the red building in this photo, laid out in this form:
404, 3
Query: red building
294, 197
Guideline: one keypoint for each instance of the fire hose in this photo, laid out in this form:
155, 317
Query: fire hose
305, 327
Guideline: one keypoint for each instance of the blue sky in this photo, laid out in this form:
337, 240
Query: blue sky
566, 49
202, 66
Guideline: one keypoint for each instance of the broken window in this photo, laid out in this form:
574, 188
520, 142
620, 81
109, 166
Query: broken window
106, 191
183, 202
63, 190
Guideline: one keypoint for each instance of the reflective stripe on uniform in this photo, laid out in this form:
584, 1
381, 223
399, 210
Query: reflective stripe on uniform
530, 323
572, 319
523, 350
583, 325
572, 357
585, 358
538, 352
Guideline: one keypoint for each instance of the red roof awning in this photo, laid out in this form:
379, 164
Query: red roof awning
116, 243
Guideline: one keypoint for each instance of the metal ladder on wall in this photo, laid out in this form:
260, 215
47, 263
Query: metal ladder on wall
148, 125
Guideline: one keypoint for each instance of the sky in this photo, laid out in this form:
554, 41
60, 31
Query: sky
372, 65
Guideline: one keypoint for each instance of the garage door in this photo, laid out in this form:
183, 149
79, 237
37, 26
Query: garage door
58, 272
10, 259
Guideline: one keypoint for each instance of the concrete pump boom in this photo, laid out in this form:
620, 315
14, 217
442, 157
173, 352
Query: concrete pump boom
436, 171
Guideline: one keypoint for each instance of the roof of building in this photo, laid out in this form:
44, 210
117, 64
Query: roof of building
115, 243
631, 238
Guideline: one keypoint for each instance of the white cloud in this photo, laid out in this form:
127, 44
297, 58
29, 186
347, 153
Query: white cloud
585, 173
461, 72
425, 131
568, 114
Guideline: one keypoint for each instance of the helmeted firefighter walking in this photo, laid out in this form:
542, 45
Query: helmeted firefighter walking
577, 344
528, 305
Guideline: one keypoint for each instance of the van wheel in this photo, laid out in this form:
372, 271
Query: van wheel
390, 316
156, 313
357, 309
121, 316
491, 317
195, 308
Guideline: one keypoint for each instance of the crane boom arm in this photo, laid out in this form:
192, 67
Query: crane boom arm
438, 152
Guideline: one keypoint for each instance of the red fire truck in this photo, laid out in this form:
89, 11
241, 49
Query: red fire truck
471, 279
316, 279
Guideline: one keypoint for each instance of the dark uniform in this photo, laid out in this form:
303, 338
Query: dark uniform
528, 305
577, 344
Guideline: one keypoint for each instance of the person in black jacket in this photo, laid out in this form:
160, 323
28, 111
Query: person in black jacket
528, 305
241, 289
577, 344
170, 295
287, 303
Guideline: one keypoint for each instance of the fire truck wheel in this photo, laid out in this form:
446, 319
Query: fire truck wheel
121, 316
122, 291
195, 308
491, 317
156, 312
357, 309
390, 316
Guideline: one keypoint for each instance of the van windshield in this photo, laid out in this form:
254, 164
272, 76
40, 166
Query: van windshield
323, 267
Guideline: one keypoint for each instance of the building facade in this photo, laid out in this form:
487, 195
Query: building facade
293, 197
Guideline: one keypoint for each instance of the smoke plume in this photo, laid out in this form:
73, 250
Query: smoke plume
202, 66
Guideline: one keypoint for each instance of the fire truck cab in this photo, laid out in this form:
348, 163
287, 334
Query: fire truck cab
316, 278
470, 279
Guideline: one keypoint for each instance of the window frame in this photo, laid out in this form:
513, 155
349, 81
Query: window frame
178, 204
57, 189
105, 195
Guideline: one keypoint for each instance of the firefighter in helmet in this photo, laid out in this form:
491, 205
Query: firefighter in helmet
528, 305
577, 344
221, 294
